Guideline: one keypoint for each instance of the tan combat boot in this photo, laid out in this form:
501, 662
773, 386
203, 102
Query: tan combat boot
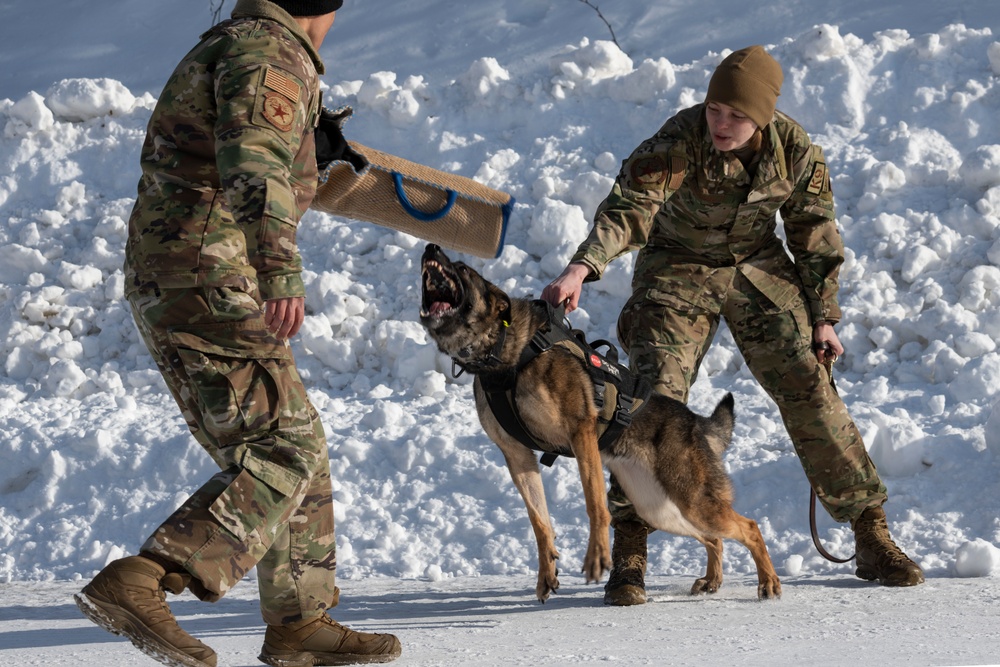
878, 557
626, 584
127, 598
322, 641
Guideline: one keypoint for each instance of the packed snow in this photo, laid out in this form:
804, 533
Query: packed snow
536, 99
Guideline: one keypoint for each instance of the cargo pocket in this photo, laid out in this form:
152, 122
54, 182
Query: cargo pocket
253, 505
276, 238
234, 372
652, 314
239, 509
774, 319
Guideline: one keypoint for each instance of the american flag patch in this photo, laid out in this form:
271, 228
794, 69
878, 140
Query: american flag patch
281, 84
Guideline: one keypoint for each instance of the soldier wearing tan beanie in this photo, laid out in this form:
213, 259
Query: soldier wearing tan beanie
749, 80
699, 202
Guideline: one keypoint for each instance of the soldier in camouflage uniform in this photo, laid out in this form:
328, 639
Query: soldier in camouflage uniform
213, 276
699, 201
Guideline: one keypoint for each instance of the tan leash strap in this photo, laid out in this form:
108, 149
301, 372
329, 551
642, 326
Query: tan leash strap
828, 363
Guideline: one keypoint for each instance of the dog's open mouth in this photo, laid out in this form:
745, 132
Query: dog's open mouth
442, 289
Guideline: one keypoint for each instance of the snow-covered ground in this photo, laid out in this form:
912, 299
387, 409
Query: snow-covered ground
822, 620
532, 97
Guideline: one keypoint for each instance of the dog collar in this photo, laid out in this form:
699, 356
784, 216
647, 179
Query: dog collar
492, 360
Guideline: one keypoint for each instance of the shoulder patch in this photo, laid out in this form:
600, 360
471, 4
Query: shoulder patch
818, 179
648, 172
278, 111
280, 83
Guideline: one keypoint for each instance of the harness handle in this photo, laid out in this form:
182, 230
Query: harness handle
612, 353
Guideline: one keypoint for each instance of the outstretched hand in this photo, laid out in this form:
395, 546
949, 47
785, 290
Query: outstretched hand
567, 287
283, 317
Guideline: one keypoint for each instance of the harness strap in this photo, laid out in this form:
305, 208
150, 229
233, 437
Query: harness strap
501, 402
617, 404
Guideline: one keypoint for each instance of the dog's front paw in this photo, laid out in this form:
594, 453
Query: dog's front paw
547, 584
598, 562
769, 589
706, 585
548, 575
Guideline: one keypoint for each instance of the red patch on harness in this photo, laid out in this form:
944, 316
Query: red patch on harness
595, 360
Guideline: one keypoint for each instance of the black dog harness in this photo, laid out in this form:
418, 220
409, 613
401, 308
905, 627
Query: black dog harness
619, 394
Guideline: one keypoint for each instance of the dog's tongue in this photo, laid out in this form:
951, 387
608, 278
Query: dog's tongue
439, 307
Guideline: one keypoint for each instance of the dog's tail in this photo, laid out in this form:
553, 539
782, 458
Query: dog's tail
718, 428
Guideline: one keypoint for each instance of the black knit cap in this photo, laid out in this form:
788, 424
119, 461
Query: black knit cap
309, 7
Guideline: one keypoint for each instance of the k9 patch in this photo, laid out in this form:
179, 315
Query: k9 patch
817, 182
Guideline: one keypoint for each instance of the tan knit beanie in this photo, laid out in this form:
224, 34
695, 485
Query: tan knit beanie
748, 80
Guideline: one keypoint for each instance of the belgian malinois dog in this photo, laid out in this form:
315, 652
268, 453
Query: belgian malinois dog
668, 460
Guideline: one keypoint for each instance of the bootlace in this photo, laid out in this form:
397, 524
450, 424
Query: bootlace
154, 606
628, 572
630, 539
876, 540
628, 555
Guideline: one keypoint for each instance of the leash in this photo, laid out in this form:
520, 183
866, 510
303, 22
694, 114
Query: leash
828, 364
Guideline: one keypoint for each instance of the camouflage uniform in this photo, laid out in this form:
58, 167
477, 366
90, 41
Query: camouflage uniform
705, 231
228, 169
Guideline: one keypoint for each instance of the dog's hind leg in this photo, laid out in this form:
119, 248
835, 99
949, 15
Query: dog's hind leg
523, 468
712, 581
734, 526
768, 584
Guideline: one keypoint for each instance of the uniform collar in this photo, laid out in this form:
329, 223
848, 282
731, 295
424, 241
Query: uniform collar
269, 10
772, 167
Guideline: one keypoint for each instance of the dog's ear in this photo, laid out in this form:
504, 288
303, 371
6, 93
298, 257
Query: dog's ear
499, 301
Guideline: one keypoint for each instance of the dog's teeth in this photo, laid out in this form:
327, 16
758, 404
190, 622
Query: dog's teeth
439, 308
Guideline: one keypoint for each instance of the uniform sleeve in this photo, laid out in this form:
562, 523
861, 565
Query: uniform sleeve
812, 235
263, 113
625, 218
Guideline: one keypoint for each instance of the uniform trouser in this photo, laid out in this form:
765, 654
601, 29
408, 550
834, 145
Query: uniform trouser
243, 399
667, 341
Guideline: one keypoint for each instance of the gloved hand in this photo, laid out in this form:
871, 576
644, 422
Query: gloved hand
331, 145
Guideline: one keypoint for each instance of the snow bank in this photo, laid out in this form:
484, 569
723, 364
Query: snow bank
95, 453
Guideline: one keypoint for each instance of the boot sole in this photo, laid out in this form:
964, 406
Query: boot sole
869, 575
625, 596
119, 622
309, 659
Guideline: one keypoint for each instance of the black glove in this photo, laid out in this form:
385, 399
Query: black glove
331, 145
